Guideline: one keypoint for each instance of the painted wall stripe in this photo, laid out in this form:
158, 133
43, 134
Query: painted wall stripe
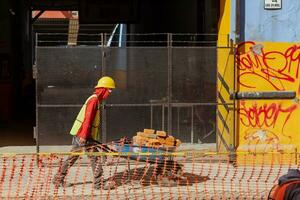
222, 139
223, 121
224, 83
223, 102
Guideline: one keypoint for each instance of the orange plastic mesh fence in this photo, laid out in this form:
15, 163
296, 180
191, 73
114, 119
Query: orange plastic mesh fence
181, 175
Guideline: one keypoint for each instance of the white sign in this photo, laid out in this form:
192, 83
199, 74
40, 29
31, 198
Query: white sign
272, 4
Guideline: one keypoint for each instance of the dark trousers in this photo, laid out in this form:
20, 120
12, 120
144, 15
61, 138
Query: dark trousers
96, 161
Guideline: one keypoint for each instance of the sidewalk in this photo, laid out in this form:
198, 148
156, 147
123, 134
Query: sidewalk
211, 147
202, 177
207, 180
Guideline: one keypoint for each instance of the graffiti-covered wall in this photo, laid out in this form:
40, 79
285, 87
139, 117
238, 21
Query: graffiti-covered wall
268, 125
267, 58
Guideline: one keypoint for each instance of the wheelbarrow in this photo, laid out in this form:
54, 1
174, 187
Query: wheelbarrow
160, 158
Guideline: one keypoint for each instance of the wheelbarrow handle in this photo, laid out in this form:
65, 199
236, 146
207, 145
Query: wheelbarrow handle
104, 147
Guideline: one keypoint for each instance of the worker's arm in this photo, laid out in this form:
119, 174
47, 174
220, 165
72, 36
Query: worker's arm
90, 112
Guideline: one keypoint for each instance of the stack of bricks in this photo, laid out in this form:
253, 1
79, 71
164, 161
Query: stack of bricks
153, 138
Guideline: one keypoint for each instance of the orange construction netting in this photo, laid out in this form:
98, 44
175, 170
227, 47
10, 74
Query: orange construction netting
169, 175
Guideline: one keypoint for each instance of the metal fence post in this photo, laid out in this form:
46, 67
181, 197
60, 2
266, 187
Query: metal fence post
36, 128
192, 124
103, 107
163, 116
36, 132
151, 116
234, 100
170, 74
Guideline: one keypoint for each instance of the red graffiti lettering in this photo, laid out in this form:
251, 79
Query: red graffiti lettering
274, 67
264, 115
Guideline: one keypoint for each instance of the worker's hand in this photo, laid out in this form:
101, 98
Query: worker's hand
82, 140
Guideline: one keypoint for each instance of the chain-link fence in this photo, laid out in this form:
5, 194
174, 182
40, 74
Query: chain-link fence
164, 82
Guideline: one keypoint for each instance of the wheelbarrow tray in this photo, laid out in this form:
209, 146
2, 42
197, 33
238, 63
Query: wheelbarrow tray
144, 153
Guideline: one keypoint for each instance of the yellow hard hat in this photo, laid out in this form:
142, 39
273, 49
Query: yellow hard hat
106, 82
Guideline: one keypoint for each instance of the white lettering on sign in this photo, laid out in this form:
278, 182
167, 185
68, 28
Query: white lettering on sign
272, 4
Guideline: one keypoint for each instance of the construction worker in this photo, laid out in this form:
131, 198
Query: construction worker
85, 133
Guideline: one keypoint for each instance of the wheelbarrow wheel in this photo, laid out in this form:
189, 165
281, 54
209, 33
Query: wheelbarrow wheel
166, 181
169, 173
170, 167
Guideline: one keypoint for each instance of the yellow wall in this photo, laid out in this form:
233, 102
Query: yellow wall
224, 23
225, 81
268, 125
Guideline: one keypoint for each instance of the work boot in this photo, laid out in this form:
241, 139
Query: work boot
107, 185
58, 182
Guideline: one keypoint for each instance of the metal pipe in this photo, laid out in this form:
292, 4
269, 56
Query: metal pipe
262, 95
112, 35
120, 36
178, 105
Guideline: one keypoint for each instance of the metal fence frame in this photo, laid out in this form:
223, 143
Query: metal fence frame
168, 104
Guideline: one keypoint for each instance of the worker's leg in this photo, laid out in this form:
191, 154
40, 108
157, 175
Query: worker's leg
63, 171
96, 162
68, 163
